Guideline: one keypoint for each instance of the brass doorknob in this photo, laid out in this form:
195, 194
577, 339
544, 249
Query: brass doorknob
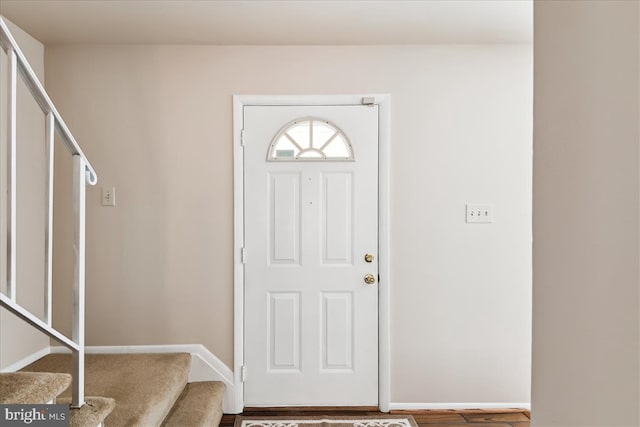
369, 279
368, 257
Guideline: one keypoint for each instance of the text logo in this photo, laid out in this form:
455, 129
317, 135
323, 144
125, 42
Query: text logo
34, 415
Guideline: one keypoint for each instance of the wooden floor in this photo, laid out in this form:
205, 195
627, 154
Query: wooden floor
426, 418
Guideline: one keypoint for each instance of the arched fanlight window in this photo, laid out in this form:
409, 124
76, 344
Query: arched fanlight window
310, 139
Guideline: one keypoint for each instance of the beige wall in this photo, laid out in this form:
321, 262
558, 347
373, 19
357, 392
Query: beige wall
586, 195
156, 123
17, 339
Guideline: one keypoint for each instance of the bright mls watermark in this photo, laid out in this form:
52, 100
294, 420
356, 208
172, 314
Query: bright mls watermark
34, 415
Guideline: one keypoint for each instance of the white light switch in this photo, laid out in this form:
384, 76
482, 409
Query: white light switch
479, 213
108, 196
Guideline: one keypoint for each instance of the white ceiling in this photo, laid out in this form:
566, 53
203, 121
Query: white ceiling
268, 22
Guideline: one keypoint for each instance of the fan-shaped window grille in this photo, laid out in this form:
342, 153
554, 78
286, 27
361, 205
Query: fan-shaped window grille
310, 139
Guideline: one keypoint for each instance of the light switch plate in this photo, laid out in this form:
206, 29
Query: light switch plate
479, 213
108, 196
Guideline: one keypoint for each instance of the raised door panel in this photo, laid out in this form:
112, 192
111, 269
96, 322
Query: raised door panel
283, 315
337, 331
337, 218
284, 224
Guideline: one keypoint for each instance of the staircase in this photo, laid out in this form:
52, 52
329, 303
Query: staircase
122, 390
115, 390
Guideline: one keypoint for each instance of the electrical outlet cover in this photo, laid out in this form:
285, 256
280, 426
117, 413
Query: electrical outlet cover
479, 213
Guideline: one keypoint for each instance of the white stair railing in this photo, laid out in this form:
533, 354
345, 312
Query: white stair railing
83, 174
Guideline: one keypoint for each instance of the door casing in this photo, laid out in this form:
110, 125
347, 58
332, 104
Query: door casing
384, 139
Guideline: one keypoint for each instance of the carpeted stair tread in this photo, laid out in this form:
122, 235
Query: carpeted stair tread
144, 386
32, 387
199, 405
92, 413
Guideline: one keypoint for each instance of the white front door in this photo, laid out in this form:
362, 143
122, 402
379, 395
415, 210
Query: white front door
311, 243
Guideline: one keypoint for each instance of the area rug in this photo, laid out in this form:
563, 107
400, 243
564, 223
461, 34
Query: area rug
326, 421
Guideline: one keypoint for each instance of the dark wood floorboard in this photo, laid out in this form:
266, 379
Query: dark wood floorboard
424, 418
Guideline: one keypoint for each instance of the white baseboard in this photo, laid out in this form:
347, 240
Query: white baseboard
205, 366
459, 405
27, 360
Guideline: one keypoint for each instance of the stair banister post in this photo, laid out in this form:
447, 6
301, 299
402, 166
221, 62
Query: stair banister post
79, 193
48, 224
12, 88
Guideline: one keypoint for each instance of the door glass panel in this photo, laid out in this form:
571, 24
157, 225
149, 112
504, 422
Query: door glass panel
299, 132
310, 139
322, 132
337, 148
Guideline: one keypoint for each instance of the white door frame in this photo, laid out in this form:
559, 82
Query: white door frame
384, 138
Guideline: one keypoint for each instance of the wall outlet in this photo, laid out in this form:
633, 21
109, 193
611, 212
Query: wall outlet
108, 196
479, 213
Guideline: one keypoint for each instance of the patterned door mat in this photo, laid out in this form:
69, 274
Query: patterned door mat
326, 421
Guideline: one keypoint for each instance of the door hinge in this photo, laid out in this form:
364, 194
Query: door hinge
243, 255
242, 137
243, 373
